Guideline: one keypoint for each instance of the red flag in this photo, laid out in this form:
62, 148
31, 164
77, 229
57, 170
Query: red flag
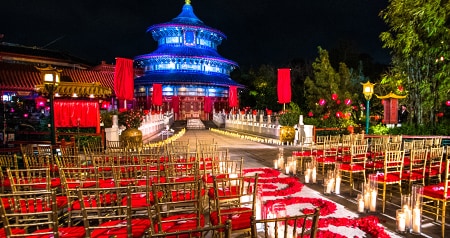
208, 105
175, 104
232, 96
284, 86
157, 94
124, 79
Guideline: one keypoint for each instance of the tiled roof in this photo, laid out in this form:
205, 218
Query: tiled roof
25, 77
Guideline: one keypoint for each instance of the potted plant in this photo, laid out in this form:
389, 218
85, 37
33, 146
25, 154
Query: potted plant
288, 119
132, 120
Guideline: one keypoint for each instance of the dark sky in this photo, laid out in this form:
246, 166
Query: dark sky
258, 31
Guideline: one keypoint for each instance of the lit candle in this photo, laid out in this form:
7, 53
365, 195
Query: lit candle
373, 201
361, 205
314, 175
294, 167
366, 199
287, 167
337, 188
307, 174
416, 219
275, 164
330, 186
401, 226
408, 215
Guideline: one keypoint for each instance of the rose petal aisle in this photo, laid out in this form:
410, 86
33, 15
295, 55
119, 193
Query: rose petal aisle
335, 220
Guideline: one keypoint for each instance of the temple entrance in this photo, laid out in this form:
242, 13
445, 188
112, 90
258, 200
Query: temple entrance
191, 108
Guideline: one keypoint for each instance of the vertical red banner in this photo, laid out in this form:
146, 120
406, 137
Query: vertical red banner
208, 105
232, 96
284, 85
157, 94
124, 79
175, 104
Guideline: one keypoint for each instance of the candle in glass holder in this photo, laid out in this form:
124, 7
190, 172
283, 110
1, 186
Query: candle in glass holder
307, 174
408, 216
329, 185
287, 167
314, 174
360, 202
275, 164
337, 188
401, 221
416, 220
373, 201
366, 199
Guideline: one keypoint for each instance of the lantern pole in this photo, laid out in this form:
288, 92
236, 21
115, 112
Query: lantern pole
368, 92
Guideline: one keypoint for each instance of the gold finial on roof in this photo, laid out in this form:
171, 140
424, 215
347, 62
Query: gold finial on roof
188, 2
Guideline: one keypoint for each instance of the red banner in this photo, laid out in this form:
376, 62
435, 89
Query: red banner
77, 113
176, 104
232, 96
284, 85
124, 79
208, 105
157, 94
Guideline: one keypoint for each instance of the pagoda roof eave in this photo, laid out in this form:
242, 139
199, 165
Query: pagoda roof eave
391, 95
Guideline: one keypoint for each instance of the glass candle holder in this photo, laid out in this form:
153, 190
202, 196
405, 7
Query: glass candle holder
328, 183
406, 208
416, 205
400, 221
337, 181
360, 203
307, 172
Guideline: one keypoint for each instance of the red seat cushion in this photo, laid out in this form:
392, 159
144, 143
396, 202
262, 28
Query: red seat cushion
436, 191
352, 167
180, 222
76, 205
138, 226
64, 232
14, 231
234, 190
239, 220
390, 178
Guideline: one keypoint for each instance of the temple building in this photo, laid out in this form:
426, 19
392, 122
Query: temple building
194, 78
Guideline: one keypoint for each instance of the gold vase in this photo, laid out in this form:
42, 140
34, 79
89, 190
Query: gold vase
287, 134
131, 136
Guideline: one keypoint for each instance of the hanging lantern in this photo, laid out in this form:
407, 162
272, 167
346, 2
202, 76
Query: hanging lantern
338, 102
334, 96
310, 114
339, 114
347, 102
322, 102
400, 88
447, 103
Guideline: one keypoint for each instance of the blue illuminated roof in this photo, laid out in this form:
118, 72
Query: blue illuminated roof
184, 78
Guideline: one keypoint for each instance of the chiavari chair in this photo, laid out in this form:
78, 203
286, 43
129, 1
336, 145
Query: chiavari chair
407, 146
71, 179
436, 198
181, 171
392, 174
345, 146
114, 147
199, 232
289, 226
42, 161
178, 206
418, 144
319, 145
329, 155
7, 161
302, 156
354, 164
70, 161
429, 142
396, 139
437, 141
235, 199
33, 214
27, 149
29, 179
105, 214
415, 172
95, 147
376, 162
44, 150
69, 150
434, 168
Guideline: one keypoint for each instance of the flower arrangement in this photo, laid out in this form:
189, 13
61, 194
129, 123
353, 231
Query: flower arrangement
131, 118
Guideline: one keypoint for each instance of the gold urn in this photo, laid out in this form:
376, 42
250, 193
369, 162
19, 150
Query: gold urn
131, 136
287, 134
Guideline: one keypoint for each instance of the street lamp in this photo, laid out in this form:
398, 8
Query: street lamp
368, 92
50, 78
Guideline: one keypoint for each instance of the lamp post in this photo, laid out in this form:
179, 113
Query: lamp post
368, 92
50, 78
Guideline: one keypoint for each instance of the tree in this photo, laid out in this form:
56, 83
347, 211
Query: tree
419, 39
328, 92
264, 85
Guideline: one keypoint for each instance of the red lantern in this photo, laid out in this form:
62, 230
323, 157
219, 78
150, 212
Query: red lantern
310, 114
269, 112
400, 88
338, 102
440, 114
325, 116
347, 101
339, 114
334, 96
322, 102
447, 103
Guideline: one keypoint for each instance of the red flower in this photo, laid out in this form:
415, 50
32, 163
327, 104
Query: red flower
310, 114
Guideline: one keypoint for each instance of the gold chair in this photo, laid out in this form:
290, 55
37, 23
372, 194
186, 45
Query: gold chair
376, 162
71, 179
95, 147
392, 174
436, 198
434, 168
178, 206
415, 174
42, 162
235, 199
290, 226
114, 147
329, 155
7, 161
418, 144
200, 232
33, 214
353, 164
29, 179
107, 213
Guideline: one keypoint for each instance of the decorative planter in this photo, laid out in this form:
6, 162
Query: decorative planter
131, 136
287, 134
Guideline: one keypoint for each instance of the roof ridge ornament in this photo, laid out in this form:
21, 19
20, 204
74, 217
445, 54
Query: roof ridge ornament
188, 2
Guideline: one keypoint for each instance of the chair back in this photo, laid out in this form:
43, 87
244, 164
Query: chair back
199, 232
289, 226
29, 179
393, 164
29, 212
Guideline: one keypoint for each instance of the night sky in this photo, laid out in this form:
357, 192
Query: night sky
258, 31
